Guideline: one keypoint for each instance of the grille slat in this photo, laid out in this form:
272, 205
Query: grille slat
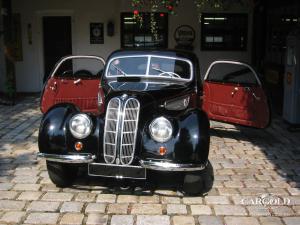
111, 130
129, 130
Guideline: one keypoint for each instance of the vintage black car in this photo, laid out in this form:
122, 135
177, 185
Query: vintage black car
151, 112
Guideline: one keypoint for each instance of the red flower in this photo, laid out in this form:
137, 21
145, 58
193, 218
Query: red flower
169, 7
135, 12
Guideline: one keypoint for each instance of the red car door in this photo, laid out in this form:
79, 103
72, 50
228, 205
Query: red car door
78, 86
232, 92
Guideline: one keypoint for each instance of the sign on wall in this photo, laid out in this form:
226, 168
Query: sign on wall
184, 36
96, 33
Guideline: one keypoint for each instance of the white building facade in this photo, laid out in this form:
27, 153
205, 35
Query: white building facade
30, 69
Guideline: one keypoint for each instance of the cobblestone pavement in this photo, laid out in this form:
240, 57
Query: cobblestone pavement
256, 176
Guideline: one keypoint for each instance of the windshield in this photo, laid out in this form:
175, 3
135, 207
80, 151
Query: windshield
150, 67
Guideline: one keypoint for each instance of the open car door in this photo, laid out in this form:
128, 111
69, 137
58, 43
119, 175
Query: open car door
75, 80
233, 93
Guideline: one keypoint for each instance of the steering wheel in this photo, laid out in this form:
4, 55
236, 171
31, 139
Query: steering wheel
83, 73
67, 73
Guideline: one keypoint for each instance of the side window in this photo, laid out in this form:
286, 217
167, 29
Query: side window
80, 68
232, 73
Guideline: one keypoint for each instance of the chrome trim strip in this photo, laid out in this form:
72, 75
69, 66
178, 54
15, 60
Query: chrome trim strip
83, 158
134, 120
168, 166
114, 134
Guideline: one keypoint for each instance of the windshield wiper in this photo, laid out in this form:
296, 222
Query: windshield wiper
119, 70
162, 72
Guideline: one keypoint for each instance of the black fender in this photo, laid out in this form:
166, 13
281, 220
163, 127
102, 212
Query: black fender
189, 142
55, 136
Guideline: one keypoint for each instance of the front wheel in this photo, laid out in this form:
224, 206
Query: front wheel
61, 174
199, 183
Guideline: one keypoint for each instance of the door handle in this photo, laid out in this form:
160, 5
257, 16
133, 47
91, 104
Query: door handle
77, 81
234, 91
256, 98
253, 94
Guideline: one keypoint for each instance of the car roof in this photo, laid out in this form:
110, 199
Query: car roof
169, 52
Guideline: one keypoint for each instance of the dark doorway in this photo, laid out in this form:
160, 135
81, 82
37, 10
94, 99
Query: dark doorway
57, 40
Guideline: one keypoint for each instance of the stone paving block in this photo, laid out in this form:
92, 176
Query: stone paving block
257, 210
294, 191
122, 220
201, 210
234, 210
11, 205
25, 179
72, 219
27, 187
49, 188
228, 191
153, 220
252, 191
217, 200
183, 220
176, 209
210, 220
170, 200
43, 206
95, 208
30, 195
42, 218
71, 207
145, 209
12, 217
127, 199
117, 208
291, 220
106, 198
192, 200
241, 220
57, 197
97, 219
7, 195
85, 197
282, 211
270, 221
149, 199
296, 209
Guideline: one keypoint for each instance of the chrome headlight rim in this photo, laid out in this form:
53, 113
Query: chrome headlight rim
161, 139
89, 126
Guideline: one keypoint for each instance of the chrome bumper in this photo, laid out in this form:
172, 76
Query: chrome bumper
167, 166
151, 165
83, 158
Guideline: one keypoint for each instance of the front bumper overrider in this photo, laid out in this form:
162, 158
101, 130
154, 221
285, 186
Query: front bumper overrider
147, 164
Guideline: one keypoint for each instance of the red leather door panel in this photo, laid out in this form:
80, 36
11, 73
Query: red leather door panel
81, 92
237, 103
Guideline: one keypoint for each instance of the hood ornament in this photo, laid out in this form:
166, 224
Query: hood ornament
124, 96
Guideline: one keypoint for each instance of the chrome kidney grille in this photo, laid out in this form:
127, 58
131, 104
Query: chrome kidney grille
120, 130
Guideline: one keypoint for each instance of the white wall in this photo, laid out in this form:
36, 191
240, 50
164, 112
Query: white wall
31, 70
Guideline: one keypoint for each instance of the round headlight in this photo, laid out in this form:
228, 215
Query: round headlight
80, 126
161, 129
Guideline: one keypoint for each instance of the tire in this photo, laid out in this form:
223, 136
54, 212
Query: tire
61, 174
200, 182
